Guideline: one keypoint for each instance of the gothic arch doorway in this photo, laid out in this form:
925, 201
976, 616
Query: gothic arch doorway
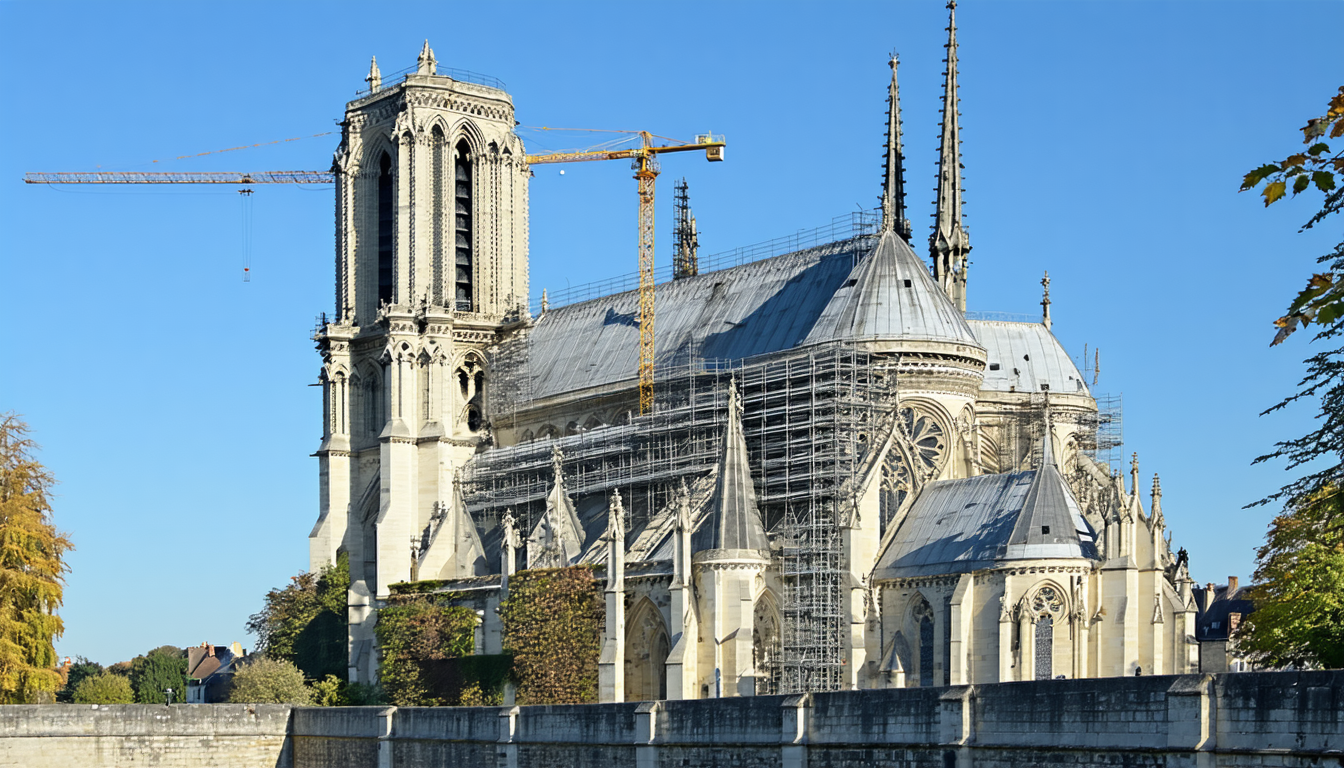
646, 649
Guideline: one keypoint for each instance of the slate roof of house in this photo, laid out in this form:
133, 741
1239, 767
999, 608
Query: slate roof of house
1027, 355
958, 526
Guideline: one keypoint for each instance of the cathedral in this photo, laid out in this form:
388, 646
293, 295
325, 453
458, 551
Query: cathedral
846, 479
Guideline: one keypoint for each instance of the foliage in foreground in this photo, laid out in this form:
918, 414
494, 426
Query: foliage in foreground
103, 688
1299, 588
306, 622
553, 627
32, 571
269, 681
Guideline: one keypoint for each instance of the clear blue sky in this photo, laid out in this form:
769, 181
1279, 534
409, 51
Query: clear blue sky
1103, 141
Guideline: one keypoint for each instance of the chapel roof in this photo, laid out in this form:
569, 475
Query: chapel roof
959, 526
732, 520
1027, 355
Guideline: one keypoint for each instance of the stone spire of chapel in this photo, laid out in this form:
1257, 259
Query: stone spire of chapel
893, 183
950, 243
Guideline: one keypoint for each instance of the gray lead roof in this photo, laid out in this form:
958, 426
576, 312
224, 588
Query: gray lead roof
959, 526
1023, 356
753, 309
890, 295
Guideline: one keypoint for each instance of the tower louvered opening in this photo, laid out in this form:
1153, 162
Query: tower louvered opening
462, 219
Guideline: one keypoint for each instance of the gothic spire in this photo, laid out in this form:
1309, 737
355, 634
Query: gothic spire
425, 63
375, 78
733, 520
950, 243
1045, 302
893, 183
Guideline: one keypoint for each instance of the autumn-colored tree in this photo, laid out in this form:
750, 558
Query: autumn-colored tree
32, 571
1299, 588
1321, 302
305, 622
1322, 167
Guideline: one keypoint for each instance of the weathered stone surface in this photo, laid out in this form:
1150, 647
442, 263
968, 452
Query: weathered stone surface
1288, 719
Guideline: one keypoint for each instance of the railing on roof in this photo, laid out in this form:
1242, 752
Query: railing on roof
1004, 317
460, 75
848, 226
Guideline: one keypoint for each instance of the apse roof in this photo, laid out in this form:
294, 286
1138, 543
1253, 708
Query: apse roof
958, 526
1023, 356
890, 295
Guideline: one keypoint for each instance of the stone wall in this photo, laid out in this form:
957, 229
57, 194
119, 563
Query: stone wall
180, 736
1293, 719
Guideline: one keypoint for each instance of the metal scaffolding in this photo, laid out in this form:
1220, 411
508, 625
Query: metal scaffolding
811, 420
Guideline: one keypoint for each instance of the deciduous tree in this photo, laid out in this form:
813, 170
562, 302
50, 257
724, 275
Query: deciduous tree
104, 688
269, 681
305, 622
80, 669
1299, 588
32, 571
152, 674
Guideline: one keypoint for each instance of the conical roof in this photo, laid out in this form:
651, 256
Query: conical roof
1051, 523
890, 296
558, 537
733, 520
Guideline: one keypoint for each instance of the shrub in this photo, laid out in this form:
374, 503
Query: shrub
103, 688
269, 681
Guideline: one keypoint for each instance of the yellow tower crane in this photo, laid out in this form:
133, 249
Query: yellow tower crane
645, 164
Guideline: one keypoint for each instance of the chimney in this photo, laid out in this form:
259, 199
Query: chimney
1232, 583
1209, 593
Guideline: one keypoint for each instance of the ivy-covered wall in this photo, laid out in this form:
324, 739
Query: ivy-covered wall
552, 621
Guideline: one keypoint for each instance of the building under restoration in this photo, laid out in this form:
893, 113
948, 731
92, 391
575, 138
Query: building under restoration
846, 480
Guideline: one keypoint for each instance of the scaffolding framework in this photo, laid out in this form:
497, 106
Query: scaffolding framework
810, 419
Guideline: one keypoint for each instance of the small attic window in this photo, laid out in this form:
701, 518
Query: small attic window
907, 283
850, 283
993, 366
1045, 387
1045, 530
1027, 358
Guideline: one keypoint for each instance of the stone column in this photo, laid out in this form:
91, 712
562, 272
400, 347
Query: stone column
611, 664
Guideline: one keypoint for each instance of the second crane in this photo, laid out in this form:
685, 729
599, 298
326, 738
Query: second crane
645, 164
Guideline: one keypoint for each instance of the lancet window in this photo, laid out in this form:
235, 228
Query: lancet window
462, 189
1046, 605
923, 618
386, 225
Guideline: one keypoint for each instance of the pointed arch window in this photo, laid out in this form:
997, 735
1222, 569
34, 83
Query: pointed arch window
462, 186
923, 618
386, 223
438, 151
1045, 606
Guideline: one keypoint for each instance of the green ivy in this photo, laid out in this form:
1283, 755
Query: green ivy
553, 627
417, 587
414, 633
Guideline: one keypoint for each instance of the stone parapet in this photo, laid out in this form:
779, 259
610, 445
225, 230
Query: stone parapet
1249, 719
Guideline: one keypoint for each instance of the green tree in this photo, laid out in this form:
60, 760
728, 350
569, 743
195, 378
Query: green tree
158, 671
32, 571
270, 681
1299, 588
80, 669
306, 622
104, 688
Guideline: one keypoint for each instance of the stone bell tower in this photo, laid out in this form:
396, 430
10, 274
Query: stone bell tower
431, 266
